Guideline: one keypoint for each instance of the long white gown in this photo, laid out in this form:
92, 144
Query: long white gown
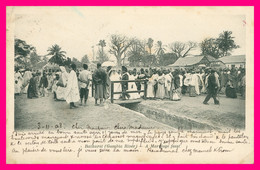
60, 91
72, 89
132, 87
117, 86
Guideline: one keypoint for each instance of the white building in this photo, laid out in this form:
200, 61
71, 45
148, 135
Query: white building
234, 61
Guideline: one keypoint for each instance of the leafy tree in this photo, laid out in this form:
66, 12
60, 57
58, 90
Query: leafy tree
219, 47
136, 52
102, 56
119, 45
58, 56
23, 52
226, 43
181, 49
149, 60
167, 59
77, 62
160, 50
209, 46
21, 48
34, 58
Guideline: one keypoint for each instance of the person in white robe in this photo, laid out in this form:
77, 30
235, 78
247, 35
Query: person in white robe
72, 89
168, 82
161, 86
18, 82
62, 83
150, 87
194, 85
114, 76
132, 87
26, 79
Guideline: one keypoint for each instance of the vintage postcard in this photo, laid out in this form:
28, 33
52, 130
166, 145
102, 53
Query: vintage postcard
139, 85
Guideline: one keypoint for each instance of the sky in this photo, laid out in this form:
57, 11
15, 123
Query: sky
77, 29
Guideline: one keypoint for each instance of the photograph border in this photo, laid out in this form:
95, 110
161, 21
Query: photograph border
3, 117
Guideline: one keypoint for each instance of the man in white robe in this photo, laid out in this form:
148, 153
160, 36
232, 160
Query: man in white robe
72, 89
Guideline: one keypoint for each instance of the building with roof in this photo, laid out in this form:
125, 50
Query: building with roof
197, 61
234, 61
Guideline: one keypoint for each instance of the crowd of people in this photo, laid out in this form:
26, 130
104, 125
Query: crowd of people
71, 85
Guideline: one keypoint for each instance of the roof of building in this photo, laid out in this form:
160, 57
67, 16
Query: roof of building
233, 59
191, 60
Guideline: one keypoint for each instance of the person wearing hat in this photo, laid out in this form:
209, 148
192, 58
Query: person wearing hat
212, 87
125, 76
99, 78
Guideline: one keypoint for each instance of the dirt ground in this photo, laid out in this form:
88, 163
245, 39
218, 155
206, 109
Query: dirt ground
229, 114
45, 113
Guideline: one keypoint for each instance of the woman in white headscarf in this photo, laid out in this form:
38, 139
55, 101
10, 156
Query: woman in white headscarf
62, 83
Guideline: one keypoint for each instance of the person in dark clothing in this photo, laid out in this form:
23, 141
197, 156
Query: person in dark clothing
32, 89
43, 84
99, 80
125, 76
212, 88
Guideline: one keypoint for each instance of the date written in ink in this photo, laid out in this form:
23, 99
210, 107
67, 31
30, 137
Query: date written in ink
47, 126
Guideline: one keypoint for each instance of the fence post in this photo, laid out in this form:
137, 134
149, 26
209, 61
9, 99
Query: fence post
145, 89
112, 92
92, 89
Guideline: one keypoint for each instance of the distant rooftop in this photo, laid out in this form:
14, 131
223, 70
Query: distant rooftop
233, 59
191, 60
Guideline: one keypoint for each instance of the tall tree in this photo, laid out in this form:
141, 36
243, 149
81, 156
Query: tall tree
21, 48
150, 45
119, 45
167, 59
209, 46
58, 56
160, 50
226, 43
182, 49
102, 56
34, 58
22, 53
136, 52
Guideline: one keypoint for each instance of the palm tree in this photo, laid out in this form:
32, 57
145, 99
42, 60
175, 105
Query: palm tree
159, 48
58, 56
150, 45
226, 42
102, 56
102, 44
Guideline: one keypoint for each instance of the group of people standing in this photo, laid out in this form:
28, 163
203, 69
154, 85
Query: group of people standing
71, 85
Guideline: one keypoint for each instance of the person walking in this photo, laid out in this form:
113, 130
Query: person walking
212, 87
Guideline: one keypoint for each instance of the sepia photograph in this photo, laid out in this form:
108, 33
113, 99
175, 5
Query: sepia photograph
105, 66
116, 70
